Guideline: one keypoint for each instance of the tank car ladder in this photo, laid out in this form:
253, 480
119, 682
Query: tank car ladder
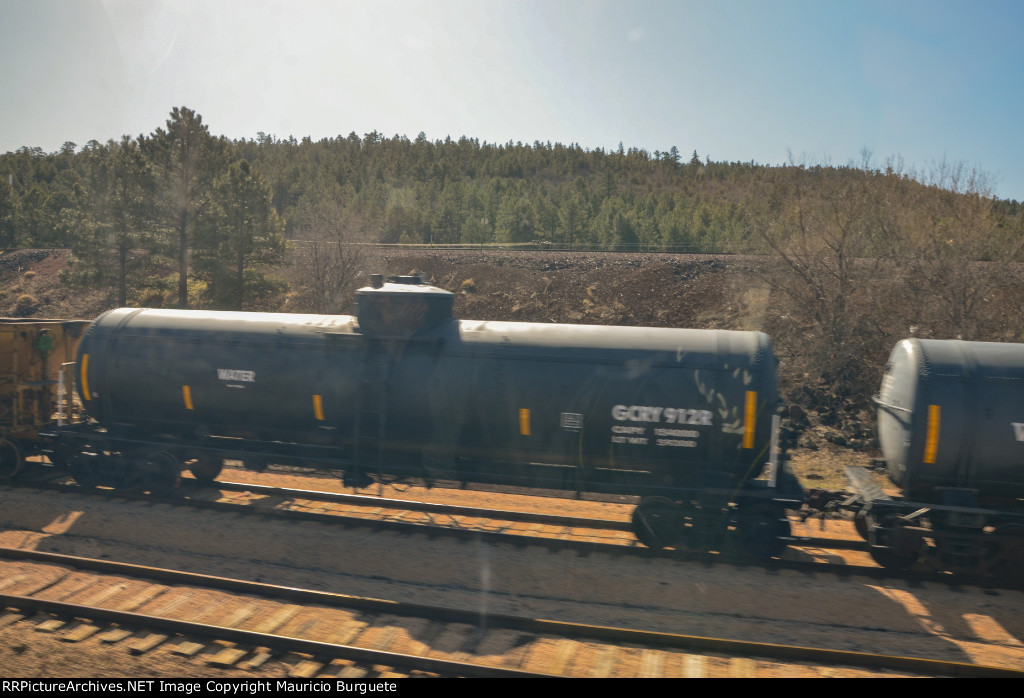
371, 414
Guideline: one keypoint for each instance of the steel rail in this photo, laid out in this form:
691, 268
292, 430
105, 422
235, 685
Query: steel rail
582, 547
425, 507
462, 510
257, 639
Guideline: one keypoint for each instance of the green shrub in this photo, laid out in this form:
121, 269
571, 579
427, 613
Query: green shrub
25, 305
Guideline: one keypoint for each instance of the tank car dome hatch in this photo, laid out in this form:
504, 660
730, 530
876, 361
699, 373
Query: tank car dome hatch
401, 307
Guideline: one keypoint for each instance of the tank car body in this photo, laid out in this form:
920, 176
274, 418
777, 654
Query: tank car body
951, 430
402, 390
951, 418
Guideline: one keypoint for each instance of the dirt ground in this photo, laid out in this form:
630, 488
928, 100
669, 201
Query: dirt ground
751, 603
653, 290
572, 287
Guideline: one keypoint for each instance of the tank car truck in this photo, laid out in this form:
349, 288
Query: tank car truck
681, 419
951, 430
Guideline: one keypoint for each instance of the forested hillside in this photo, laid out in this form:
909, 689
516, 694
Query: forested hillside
180, 188
859, 255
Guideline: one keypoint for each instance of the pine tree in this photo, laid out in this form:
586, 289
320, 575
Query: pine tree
242, 235
8, 202
187, 159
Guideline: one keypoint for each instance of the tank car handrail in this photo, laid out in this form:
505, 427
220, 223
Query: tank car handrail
877, 399
892, 409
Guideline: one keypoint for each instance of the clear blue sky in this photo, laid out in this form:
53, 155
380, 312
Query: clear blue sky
815, 81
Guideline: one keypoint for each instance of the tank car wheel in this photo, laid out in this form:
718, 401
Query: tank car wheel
10, 459
891, 558
656, 522
164, 473
205, 468
860, 523
761, 528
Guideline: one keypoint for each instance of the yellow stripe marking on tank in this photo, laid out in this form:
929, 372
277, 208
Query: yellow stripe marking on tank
85, 377
931, 439
186, 394
749, 419
524, 421
318, 407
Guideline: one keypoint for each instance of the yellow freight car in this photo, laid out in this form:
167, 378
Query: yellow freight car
31, 353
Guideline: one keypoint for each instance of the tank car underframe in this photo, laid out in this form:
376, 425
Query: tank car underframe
402, 466
695, 517
98, 457
957, 538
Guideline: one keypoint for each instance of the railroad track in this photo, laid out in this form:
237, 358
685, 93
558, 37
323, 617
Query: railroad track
615, 531
442, 515
240, 626
584, 535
